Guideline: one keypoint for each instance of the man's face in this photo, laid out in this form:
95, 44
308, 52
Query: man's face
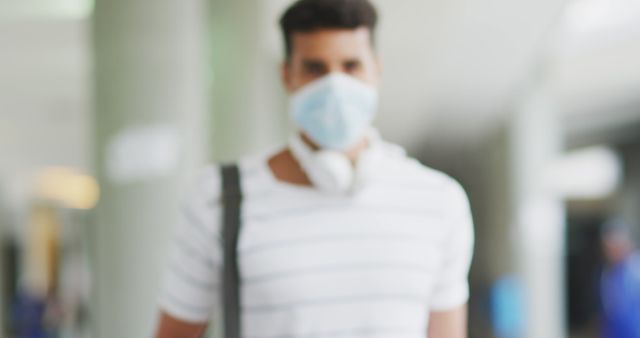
617, 247
327, 51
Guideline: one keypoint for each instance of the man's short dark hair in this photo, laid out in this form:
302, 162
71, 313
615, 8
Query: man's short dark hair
617, 227
311, 15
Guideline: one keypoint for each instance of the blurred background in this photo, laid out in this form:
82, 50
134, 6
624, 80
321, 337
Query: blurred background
108, 108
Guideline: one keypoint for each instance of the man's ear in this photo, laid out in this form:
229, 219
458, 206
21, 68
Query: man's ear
379, 67
285, 75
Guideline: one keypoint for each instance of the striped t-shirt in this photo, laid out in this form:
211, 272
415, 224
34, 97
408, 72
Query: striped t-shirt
371, 264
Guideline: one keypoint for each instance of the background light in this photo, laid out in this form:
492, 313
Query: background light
68, 187
588, 173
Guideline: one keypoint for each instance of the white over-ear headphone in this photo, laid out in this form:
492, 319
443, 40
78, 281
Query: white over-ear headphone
332, 171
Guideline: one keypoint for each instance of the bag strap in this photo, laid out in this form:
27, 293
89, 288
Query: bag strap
232, 201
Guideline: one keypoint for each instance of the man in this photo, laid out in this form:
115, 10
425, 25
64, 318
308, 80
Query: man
342, 234
620, 285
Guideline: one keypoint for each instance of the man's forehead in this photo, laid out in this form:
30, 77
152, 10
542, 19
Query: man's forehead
323, 41
361, 31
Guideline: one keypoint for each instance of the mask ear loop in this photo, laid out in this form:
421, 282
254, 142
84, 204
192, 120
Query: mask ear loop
330, 171
367, 160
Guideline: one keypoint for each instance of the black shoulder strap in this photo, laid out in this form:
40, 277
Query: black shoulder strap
232, 201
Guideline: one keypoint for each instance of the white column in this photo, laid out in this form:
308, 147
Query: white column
539, 216
629, 197
150, 120
2, 286
247, 95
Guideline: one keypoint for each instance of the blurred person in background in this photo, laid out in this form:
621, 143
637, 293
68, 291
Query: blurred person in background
507, 308
342, 233
620, 285
36, 308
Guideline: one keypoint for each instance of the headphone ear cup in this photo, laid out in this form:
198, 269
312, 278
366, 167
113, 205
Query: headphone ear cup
334, 170
330, 171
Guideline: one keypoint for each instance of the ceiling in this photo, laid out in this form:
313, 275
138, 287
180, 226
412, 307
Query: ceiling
453, 70
459, 66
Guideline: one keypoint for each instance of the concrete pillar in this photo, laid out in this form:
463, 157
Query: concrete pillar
150, 121
539, 216
2, 285
629, 197
248, 100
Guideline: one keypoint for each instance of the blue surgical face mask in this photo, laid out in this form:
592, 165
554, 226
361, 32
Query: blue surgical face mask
335, 111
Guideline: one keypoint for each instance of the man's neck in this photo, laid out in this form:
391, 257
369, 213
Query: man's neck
351, 153
286, 168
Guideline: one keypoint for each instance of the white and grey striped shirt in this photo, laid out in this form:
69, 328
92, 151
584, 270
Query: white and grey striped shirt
373, 264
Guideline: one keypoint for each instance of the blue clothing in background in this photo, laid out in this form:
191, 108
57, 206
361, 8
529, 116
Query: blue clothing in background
620, 292
507, 309
28, 317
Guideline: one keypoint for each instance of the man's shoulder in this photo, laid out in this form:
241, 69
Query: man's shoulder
401, 166
203, 186
206, 183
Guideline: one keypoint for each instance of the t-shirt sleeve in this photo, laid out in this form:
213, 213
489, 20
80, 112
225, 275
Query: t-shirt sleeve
190, 289
452, 287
